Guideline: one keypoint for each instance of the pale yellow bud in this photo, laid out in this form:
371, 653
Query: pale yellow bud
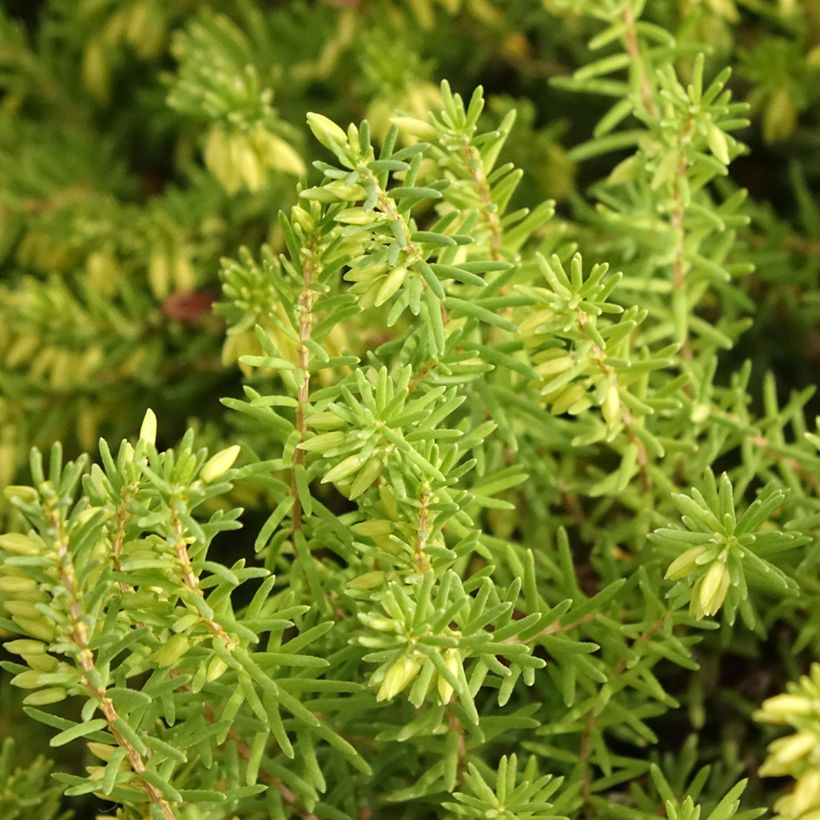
216, 669
717, 143
390, 285
611, 405
324, 441
367, 475
12, 584
452, 658
171, 651
781, 707
567, 398
27, 680
343, 469
325, 130
101, 750
788, 750
806, 794
219, 464
400, 674
37, 627
148, 430
281, 156
23, 646
712, 588
554, 365
415, 127
18, 544
684, 564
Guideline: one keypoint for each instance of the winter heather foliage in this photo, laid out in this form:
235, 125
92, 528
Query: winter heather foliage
510, 508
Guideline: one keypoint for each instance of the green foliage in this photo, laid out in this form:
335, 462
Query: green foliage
460, 550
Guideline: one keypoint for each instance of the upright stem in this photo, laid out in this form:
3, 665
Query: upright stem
85, 657
305, 307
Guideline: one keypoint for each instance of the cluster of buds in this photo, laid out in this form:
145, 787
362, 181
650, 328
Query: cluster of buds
244, 158
408, 663
720, 547
710, 587
798, 754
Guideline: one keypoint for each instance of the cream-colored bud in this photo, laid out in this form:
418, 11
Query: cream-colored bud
23, 646
367, 475
216, 668
29, 679
219, 464
554, 365
572, 394
325, 130
806, 794
171, 651
101, 750
611, 405
781, 707
713, 587
452, 658
324, 441
343, 469
415, 127
18, 544
400, 674
148, 430
281, 156
786, 750
684, 564
717, 143
12, 584
390, 285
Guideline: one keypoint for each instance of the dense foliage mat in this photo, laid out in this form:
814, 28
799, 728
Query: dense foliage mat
500, 491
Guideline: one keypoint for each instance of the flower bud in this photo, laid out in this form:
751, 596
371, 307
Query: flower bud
219, 464
712, 588
325, 130
684, 564
787, 751
216, 669
806, 795
18, 544
717, 143
415, 127
23, 646
324, 442
452, 658
400, 674
148, 430
782, 707
611, 405
101, 750
12, 584
391, 284
343, 469
171, 651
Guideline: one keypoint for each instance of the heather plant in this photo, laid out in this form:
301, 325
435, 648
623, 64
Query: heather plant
483, 479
